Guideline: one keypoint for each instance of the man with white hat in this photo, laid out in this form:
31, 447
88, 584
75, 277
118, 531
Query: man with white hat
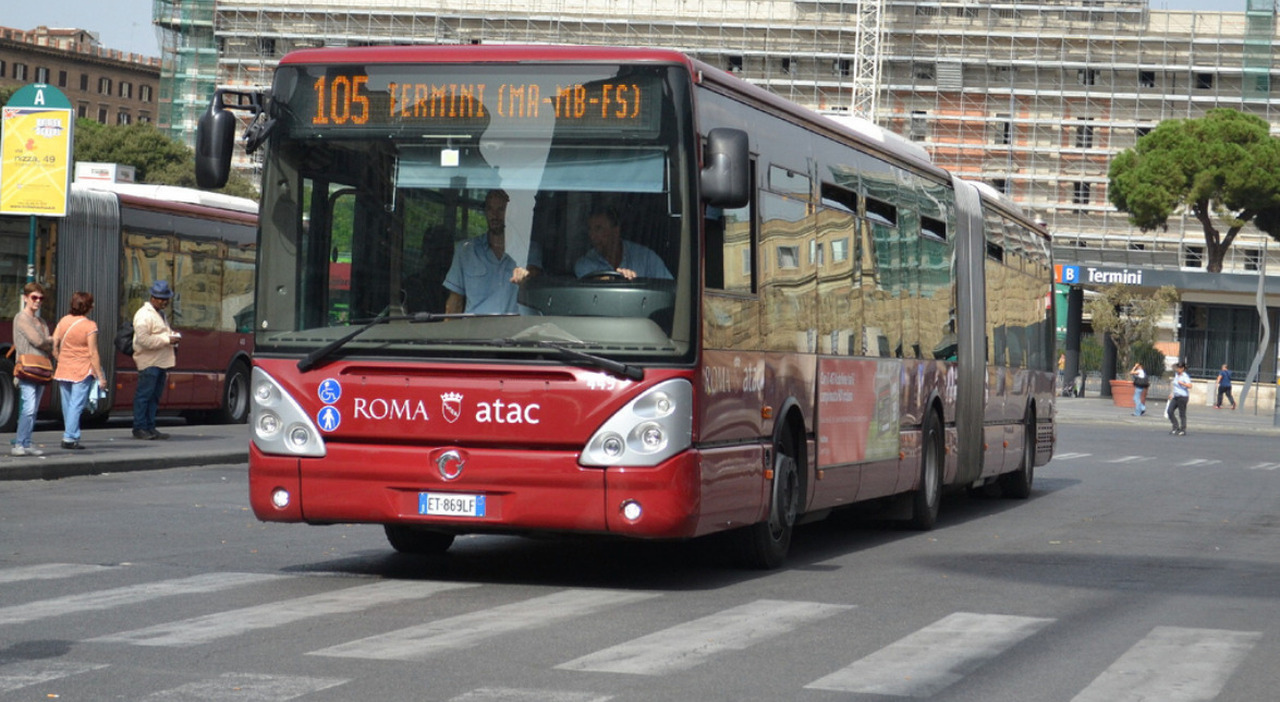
153, 352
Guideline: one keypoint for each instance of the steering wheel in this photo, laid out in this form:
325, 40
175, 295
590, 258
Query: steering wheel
610, 276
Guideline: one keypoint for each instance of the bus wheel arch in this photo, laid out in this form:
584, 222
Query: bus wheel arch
764, 545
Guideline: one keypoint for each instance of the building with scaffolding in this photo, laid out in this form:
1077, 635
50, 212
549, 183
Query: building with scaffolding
1034, 98
189, 63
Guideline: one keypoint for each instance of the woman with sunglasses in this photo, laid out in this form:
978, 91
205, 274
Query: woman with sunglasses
30, 336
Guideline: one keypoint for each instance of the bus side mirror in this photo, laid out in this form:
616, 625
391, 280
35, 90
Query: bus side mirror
726, 179
215, 135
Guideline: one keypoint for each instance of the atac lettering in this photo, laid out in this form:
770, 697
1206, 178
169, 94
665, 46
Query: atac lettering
378, 408
499, 412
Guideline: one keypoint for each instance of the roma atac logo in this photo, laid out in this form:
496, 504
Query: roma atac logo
451, 406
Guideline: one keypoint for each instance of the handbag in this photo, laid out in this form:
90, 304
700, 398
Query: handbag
33, 368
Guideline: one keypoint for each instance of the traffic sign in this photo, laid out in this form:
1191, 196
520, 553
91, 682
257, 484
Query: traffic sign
36, 138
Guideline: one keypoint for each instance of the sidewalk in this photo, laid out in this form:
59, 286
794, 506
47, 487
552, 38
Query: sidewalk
114, 450
1092, 409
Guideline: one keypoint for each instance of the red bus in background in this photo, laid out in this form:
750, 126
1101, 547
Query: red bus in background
116, 240
832, 319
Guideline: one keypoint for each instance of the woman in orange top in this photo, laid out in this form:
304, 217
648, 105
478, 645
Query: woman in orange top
75, 346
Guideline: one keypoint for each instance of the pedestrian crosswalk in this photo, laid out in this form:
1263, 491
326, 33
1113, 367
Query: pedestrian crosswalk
1174, 463
1169, 663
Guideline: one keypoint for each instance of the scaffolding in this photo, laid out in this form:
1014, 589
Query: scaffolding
1034, 98
189, 64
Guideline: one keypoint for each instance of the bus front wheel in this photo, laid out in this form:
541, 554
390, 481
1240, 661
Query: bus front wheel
235, 396
416, 541
765, 545
8, 398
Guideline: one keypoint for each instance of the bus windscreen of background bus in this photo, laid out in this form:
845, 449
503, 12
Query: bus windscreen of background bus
378, 172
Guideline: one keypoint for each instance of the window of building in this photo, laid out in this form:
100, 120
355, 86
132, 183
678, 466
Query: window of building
844, 67
1001, 184
1087, 76
1080, 192
788, 257
1204, 81
267, 46
82, 110
84, 81
144, 93
104, 86
919, 127
1146, 79
62, 79
144, 118
786, 65
1142, 131
1084, 133
1003, 129
3, 66
102, 115
927, 10
1193, 256
42, 74
735, 64
1252, 259
123, 117
923, 70
126, 90
20, 71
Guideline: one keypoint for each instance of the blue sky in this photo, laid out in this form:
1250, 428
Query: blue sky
126, 24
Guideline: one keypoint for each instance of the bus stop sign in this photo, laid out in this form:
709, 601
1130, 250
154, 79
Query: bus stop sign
35, 152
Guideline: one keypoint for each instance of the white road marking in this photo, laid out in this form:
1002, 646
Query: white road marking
687, 645
246, 687
132, 594
1173, 664
934, 657
15, 676
503, 694
49, 571
467, 630
200, 630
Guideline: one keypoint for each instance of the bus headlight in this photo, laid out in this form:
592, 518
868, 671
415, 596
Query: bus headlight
650, 429
280, 425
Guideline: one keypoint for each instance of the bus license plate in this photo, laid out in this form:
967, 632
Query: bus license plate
449, 504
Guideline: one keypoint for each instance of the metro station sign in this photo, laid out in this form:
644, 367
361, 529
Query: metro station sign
36, 138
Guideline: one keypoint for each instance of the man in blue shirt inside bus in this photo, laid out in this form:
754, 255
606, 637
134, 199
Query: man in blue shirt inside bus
610, 253
483, 278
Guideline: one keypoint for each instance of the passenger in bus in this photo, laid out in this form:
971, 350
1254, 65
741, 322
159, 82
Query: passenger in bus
153, 352
611, 254
30, 338
484, 278
75, 346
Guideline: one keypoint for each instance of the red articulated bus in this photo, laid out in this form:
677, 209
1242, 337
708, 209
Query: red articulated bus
808, 314
116, 240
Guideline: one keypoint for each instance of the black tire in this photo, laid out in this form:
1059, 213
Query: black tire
417, 541
926, 499
1017, 485
235, 396
8, 398
764, 546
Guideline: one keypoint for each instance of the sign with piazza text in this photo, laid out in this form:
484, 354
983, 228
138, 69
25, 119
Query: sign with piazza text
35, 152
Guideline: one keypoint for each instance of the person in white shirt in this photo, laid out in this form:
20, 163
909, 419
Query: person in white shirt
1178, 401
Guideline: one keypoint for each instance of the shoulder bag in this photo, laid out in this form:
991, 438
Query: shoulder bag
33, 368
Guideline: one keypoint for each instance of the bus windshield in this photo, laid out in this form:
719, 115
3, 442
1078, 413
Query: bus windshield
521, 205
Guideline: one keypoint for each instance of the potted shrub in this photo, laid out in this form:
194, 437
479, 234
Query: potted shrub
1129, 316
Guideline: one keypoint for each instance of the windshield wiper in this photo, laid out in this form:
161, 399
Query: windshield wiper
315, 358
625, 370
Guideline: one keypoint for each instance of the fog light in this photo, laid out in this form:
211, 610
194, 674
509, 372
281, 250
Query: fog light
280, 498
631, 510
268, 424
263, 393
612, 445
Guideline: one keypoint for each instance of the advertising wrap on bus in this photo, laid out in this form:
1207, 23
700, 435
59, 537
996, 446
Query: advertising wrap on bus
619, 292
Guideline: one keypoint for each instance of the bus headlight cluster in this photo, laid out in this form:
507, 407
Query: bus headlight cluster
280, 426
650, 429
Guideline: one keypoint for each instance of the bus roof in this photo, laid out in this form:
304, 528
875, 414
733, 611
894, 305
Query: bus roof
483, 53
174, 194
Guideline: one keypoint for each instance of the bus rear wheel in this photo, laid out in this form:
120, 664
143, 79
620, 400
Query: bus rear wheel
1017, 484
927, 498
8, 398
417, 541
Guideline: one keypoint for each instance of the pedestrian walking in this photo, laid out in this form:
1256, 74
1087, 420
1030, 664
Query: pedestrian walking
75, 347
1178, 400
153, 353
33, 344
1224, 388
1140, 385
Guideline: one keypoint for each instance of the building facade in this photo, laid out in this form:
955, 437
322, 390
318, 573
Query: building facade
104, 85
1034, 98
